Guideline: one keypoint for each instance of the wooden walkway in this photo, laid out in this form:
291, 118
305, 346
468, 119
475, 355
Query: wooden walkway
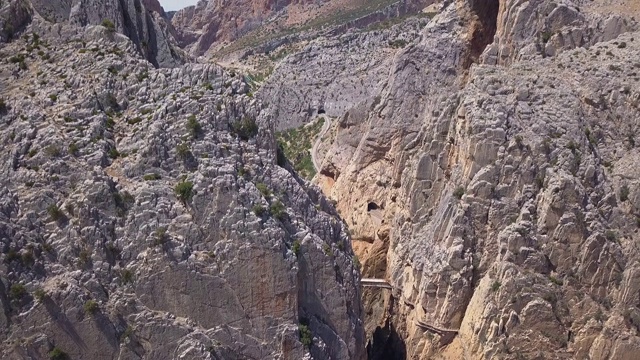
376, 283
436, 330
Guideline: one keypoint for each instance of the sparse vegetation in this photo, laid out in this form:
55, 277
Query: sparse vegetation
17, 291
356, 262
555, 280
624, 193
73, 149
107, 23
264, 190
611, 235
295, 247
246, 128
40, 294
128, 332
183, 151
278, 210
496, 286
398, 43
3, 105
91, 307
458, 192
160, 236
259, 210
184, 191
126, 276
152, 177
53, 97
114, 153
57, 354
52, 151
193, 126
306, 337
296, 145
55, 213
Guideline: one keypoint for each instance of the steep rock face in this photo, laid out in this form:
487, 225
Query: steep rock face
213, 21
142, 216
553, 27
331, 75
148, 28
502, 196
212, 25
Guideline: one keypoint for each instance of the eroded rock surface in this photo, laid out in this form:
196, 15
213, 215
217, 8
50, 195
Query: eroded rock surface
492, 183
143, 21
144, 214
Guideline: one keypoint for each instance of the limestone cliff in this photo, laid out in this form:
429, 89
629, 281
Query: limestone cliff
143, 21
492, 183
145, 214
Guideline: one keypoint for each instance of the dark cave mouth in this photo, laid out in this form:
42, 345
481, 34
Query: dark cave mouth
483, 27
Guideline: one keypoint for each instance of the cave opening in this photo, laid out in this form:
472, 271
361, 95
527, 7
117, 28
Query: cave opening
386, 344
483, 27
372, 206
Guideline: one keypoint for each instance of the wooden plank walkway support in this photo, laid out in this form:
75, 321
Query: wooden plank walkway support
376, 283
434, 329
446, 335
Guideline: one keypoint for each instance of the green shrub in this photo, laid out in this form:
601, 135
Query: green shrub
91, 307
53, 97
55, 213
259, 210
183, 151
245, 128
152, 177
84, 257
458, 192
624, 193
109, 25
3, 105
128, 332
127, 276
17, 291
518, 139
278, 210
114, 153
306, 337
134, 121
611, 235
184, 191
496, 286
295, 247
57, 354
141, 77
555, 280
160, 236
193, 126
73, 149
40, 294
27, 258
356, 262
52, 151
264, 190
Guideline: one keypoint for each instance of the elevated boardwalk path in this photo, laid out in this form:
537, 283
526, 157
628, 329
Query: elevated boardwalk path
436, 330
376, 283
